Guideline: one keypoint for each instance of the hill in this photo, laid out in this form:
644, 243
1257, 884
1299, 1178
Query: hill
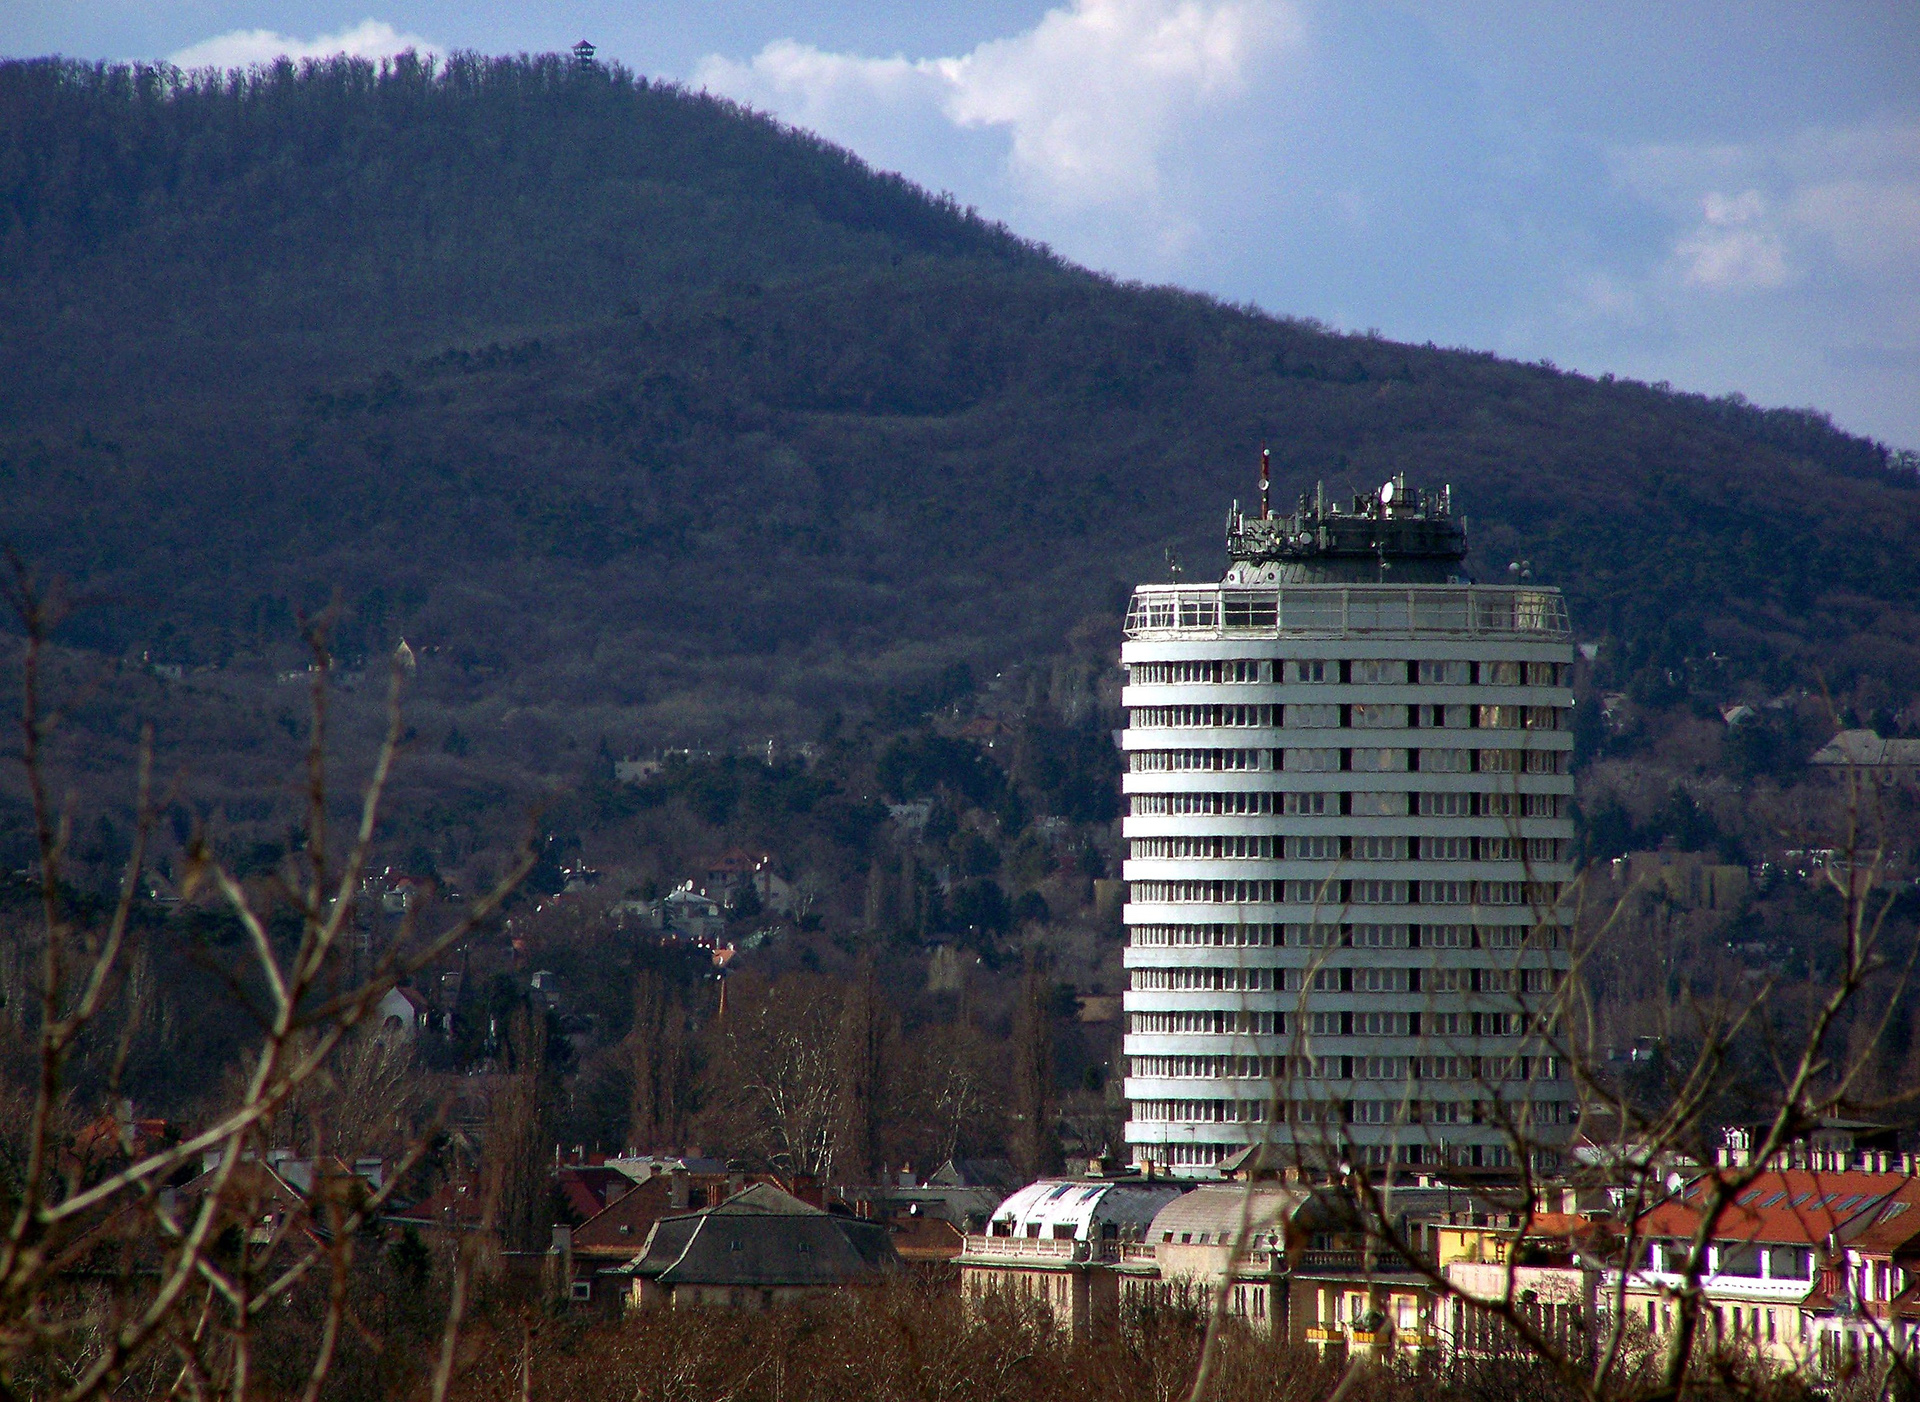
640, 409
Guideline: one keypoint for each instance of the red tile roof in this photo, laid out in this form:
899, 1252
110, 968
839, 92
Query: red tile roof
1793, 1205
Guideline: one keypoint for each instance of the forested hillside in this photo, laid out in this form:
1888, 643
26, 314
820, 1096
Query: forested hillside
653, 425
640, 408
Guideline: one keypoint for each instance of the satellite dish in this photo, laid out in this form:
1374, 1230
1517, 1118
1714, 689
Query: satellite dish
1386, 492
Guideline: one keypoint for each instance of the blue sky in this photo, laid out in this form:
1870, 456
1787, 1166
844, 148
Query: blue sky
1725, 196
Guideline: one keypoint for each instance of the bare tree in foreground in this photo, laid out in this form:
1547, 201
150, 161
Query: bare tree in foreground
159, 1273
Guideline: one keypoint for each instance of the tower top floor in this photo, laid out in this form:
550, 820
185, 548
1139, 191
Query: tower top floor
1395, 535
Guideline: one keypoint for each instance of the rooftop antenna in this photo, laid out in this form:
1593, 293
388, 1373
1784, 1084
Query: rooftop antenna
1266, 513
1173, 565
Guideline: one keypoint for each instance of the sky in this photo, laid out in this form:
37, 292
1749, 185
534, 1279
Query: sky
1722, 196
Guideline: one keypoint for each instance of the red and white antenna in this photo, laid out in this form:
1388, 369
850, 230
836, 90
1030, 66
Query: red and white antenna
1265, 460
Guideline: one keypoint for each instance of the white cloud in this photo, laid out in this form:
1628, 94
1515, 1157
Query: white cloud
1734, 247
1092, 100
241, 48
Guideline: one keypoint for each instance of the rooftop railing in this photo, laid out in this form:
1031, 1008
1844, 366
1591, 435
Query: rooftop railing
1051, 1250
1326, 610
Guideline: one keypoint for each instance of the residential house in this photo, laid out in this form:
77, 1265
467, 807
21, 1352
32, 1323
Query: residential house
1547, 1263
1220, 1236
402, 1012
1775, 1274
757, 1250
1057, 1241
737, 869
1868, 1303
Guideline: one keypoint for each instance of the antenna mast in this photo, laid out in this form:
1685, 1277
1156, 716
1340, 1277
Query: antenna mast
1266, 511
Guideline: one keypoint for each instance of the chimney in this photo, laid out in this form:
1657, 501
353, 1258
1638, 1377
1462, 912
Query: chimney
677, 1190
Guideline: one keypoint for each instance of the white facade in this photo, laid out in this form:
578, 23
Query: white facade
1348, 832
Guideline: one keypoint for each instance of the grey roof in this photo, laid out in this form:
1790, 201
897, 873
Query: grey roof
763, 1237
1223, 1209
1865, 748
977, 1173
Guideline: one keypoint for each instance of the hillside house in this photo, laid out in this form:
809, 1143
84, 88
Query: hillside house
758, 1250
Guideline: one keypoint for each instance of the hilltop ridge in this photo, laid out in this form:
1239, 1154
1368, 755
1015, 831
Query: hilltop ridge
640, 407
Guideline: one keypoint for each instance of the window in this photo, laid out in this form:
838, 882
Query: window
1378, 1112
1314, 717
1376, 672
1375, 980
1446, 761
1377, 716
1379, 804
1378, 761
1500, 673
1453, 717
1176, 761
1308, 803
1311, 849
1379, 849
1380, 937
1312, 670
1313, 761
1381, 1024
1446, 892
1446, 936
1371, 892
1445, 805
1312, 936
1446, 849
1446, 673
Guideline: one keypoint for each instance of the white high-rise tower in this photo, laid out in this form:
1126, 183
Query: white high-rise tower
1348, 839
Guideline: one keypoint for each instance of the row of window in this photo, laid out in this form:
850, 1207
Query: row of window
1345, 1022
1356, 671
1325, 847
1358, 716
1397, 804
1349, 760
1209, 1022
1378, 1155
1356, 1112
1351, 1068
1355, 891
1370, 978
1265, 934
